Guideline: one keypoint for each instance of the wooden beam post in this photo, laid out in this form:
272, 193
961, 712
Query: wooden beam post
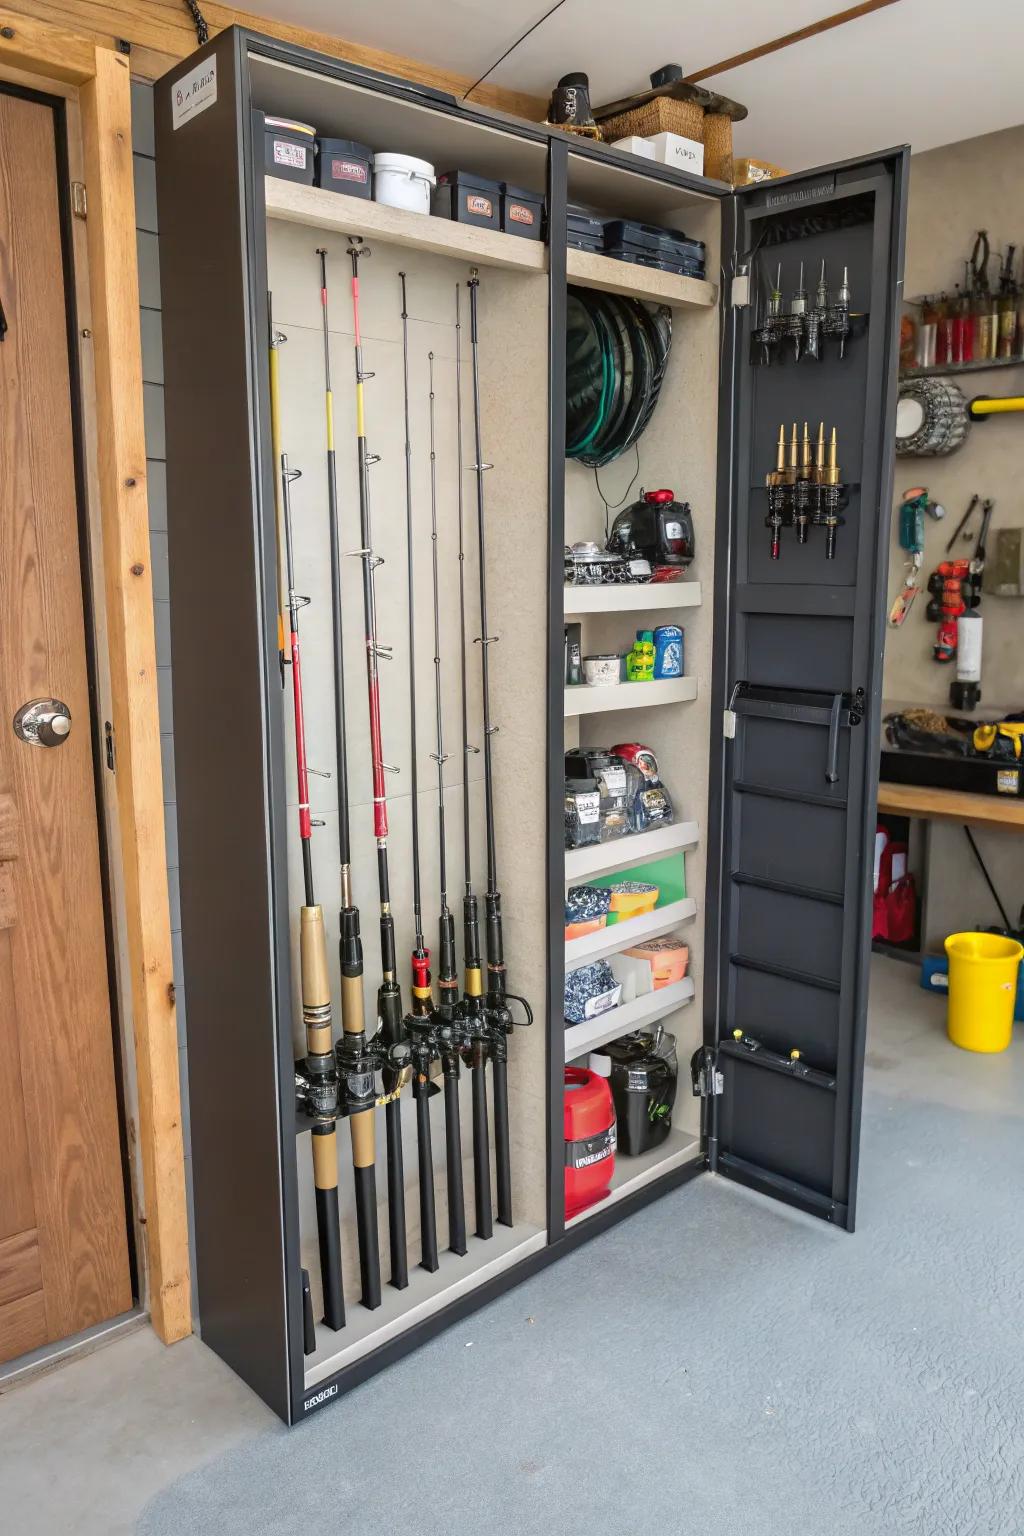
114, 290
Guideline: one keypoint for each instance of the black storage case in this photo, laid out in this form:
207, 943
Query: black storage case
342, 165
522, 212
468, 199
289, 153
794, 707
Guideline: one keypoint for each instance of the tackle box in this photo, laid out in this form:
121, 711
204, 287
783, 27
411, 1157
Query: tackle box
342, 165
522, 212
585, 229
468, 199
649, 245
289, 149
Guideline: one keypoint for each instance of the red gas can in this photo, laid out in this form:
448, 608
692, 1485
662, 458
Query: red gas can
589, 1138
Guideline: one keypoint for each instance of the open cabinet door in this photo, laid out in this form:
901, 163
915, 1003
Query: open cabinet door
797, 681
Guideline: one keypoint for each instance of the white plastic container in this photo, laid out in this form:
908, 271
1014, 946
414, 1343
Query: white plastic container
673, 149
401, 181
634, 145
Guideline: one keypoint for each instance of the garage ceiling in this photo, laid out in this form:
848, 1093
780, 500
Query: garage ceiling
924, 72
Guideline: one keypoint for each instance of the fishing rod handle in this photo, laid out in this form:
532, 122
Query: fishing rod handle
366, 1224
428, 1212
481, 1154
471, 945
495, 944
422, 996
448, 970
396, 1197
453, 1158
473, 285
328, 1222
316, 982
502, 1150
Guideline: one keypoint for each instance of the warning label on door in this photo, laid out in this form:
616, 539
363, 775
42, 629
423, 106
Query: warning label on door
194, 92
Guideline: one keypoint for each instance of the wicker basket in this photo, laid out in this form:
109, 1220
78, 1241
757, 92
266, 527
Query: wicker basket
661, 115
718, 146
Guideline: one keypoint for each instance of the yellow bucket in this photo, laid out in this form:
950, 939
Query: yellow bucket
982, 990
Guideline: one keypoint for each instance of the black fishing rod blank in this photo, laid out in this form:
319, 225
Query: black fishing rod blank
320, 1076
497, 1014
448, 972
355, 1065
419, 1023
389, 997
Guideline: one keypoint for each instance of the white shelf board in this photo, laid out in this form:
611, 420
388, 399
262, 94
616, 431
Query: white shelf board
634, 1172
604, 272
581, 1038
322, 209
424, 1295
585, 700
637, 848
643, 597
620, 936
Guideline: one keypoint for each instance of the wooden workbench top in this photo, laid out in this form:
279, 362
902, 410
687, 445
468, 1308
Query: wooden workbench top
951, 805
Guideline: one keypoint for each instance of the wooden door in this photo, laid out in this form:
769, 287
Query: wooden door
63, 1233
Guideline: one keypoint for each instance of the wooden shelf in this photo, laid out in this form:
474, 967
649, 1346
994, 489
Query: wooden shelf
581, 1038
632, 599
296, 203
609, 941
634, 1172
638, 848
948, 805
585, 700
950, 370
610, 276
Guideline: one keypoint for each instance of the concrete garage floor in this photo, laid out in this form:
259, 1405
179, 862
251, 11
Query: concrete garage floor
716, 1366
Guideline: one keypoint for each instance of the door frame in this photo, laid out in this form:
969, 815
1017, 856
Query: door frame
95, 81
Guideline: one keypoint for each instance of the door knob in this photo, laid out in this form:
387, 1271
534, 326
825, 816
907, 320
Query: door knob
43, 723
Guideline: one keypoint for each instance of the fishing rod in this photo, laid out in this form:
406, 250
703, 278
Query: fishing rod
389, 997
321, 1082
419, 1023
449, 1029
355, 1063
277, 339
497, 1014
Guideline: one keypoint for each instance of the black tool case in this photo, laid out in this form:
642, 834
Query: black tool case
768, 748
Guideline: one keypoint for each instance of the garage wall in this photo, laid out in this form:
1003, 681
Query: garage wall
143, 150
955, 191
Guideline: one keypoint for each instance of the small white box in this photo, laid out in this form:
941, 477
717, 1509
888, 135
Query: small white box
673, 149
634, 145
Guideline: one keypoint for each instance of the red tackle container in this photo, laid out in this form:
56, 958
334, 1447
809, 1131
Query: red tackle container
589, 1116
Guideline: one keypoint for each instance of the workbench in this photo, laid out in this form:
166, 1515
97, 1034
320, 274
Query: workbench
929, 803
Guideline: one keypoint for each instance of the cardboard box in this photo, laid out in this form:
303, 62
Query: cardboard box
684, 154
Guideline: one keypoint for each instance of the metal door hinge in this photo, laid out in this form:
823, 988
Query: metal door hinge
108, 739
729, 724
705, 1074
740, 290
79, 205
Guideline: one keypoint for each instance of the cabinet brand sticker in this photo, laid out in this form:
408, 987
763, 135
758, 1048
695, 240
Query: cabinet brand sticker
194, 92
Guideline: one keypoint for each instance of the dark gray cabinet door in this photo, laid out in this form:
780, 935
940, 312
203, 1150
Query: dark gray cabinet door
797, 680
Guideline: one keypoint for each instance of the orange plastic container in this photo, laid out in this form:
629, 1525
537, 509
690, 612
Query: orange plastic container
589, 925
627, 903
668, 958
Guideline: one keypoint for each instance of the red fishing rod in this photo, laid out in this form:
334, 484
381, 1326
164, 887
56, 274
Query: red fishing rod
389, 997
320, 1076
355, 1061
497, 1014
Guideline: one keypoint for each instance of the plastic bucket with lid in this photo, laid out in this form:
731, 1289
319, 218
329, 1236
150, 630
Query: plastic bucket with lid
401, 181
982, 990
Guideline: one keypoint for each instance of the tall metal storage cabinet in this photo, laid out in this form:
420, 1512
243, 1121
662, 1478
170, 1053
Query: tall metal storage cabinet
768, 745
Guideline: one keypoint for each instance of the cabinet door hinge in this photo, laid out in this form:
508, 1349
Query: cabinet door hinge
705, 1073
79, 204
108, 741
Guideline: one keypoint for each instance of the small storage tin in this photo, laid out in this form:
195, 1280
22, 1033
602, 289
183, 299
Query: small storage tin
289, 149
522, 212
601, 671
342, 165
468, 199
